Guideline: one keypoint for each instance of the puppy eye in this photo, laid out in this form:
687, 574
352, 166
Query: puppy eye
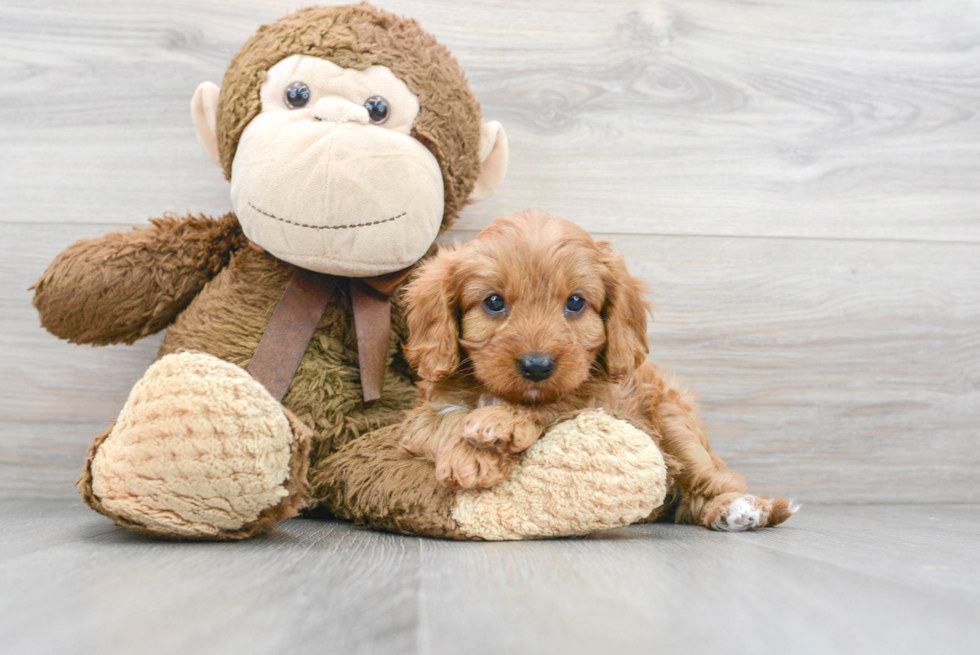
297, 95
494, 304
575, 304
377, 108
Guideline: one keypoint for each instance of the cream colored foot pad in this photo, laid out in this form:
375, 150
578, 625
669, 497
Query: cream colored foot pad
199, 447
591, 473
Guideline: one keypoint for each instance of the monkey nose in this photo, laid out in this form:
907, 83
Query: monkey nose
536, 366
337, 110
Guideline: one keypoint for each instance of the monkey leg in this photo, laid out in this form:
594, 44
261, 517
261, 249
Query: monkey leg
200, 451
589, 473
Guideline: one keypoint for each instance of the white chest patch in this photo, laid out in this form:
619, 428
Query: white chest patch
487, 399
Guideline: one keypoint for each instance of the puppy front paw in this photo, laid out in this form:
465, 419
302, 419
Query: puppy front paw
465, 466
496, 428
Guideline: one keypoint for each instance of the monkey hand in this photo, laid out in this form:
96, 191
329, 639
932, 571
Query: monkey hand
126, 285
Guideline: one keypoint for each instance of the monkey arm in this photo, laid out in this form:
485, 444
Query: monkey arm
126, 285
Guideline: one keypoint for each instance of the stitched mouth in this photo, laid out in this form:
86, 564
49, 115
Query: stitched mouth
327, 227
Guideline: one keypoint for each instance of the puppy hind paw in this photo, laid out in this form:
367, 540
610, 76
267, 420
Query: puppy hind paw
749, 512
740, 514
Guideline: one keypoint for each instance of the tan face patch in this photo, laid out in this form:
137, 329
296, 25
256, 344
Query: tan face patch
327, 80
318, 184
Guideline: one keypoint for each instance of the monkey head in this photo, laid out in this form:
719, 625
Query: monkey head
350, 137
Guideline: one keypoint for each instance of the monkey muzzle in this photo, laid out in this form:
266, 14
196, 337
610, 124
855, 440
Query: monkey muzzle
336, 196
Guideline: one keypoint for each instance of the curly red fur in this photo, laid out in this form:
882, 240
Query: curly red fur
478, 412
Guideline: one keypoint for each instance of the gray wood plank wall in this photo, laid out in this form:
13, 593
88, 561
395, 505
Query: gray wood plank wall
799, 181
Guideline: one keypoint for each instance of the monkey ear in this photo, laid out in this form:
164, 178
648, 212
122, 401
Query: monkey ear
204, 113
433, 334
493, 160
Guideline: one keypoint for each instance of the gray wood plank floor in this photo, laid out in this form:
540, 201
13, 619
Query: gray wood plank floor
835, 579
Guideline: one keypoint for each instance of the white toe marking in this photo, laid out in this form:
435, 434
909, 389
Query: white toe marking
742, 514
794, 506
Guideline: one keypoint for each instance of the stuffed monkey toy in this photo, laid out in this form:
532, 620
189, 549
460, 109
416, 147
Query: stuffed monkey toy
351, 140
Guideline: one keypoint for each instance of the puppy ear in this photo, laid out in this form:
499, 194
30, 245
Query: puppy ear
625, 316
433, 334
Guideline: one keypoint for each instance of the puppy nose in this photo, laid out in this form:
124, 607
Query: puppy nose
536, 367
337, 110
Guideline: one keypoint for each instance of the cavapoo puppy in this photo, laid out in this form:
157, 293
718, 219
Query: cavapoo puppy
530, 322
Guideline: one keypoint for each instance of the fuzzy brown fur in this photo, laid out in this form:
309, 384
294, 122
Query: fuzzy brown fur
373, 481
127, 285
448, 123
198, 278
478, 412
227, 320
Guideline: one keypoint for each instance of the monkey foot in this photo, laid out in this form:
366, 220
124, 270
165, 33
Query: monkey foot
200, 451
593, 472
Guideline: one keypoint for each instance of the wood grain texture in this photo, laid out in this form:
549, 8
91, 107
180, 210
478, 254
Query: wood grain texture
678, 588
884, 579
324, 587
797, 180
792, 118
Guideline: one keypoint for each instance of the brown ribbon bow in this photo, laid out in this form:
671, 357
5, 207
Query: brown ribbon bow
298, 313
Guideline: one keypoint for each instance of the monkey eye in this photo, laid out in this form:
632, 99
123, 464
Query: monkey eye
297, 95
575, 304
377, 108
494, 303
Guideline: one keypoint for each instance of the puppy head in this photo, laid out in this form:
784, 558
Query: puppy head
536, 306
